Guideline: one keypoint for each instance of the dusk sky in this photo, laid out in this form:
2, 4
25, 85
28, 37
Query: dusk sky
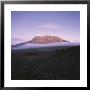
27, 24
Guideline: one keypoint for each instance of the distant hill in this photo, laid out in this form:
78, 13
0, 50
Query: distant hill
42, 40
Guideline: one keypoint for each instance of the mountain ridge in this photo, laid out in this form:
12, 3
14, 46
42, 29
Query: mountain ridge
46, 39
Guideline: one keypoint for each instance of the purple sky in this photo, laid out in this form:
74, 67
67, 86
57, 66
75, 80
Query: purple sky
27, 24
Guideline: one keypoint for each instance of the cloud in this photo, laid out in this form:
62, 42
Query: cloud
49, 26
47, 29
16, 39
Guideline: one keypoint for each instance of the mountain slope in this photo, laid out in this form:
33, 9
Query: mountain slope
42, 40
46, 39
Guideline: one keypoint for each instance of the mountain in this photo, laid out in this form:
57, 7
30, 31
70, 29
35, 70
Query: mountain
42, 40
46, 39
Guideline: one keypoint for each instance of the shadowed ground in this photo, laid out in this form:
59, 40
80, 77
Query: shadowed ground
61, 64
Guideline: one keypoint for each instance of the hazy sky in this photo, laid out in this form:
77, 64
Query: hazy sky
27, 24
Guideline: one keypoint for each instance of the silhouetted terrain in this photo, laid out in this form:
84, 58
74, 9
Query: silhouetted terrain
63, 64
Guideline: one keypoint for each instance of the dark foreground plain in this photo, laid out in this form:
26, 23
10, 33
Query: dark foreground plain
61, 64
